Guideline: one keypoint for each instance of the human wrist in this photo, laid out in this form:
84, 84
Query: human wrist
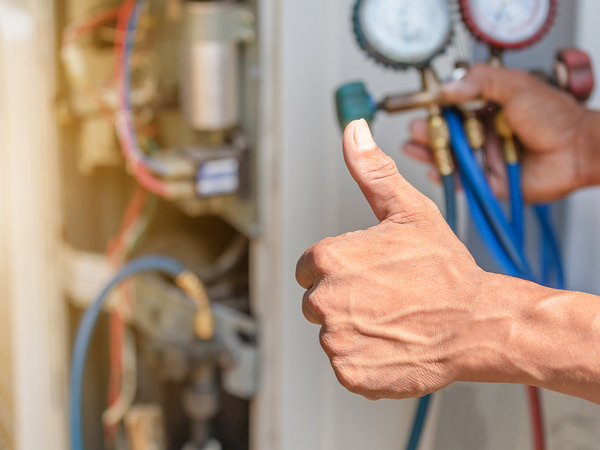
490, 348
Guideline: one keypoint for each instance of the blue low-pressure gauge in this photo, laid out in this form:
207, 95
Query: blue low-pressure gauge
403, 33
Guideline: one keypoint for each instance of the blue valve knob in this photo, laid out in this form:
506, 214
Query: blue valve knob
354, 103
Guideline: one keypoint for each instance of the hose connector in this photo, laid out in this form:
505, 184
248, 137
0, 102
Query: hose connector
474, 130
194, 288
439, 138
510, 147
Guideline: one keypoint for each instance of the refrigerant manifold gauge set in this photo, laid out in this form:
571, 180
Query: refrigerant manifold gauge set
410, 34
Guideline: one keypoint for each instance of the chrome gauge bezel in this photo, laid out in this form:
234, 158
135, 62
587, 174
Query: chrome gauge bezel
386, 60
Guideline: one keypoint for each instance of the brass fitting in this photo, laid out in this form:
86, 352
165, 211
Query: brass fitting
474, 130
194, 289
439, 138
431, 94
510, 147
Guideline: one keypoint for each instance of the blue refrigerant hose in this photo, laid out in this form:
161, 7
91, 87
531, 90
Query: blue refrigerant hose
551, 255
486, 232
475, 179
505, 241
86, 328
516, 202
424, 402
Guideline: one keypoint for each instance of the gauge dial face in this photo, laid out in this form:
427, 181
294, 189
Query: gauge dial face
404, 31
509, 24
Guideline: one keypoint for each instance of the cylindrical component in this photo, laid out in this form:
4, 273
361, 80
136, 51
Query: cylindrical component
574, 73
354, 102
210, 67
474, 130
511, 155
439, 137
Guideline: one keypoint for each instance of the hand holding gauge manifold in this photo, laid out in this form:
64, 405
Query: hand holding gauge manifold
551, 125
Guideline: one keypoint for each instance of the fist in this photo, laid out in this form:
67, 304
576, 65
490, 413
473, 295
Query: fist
393, 302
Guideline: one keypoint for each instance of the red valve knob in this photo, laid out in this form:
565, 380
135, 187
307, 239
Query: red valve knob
574, 73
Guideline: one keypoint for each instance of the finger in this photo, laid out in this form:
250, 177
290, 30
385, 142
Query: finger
391, 197
496, 166
498, 85
309, 313
419, 131
306, 273
434, 174
418, 152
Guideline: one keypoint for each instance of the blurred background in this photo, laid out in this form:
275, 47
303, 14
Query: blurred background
206, 132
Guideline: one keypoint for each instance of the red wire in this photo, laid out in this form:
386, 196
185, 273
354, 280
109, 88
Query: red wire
141, 174
537, 419
89, 24
115, 256
121, 31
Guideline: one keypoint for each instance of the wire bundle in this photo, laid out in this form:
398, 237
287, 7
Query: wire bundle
149, 172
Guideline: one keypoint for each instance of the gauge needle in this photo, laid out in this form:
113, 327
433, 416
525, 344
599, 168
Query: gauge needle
502, 11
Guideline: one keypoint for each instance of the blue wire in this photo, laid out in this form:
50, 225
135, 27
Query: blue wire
474, 177
155, 165
517, 203
86, 328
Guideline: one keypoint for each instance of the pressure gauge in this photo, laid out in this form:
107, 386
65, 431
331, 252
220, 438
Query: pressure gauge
508, 24
403, 33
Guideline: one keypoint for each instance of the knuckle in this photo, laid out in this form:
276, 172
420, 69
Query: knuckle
330, 342
314, 303
323, 255
327, 343
349, 378
384, 167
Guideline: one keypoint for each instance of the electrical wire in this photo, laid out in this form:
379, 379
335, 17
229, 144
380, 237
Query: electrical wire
73, 57
125, 112
143, 166
77, 29
86, 328
134, 224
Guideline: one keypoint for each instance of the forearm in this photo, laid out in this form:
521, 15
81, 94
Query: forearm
531, 335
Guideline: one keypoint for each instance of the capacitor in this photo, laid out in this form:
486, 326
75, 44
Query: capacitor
210, 62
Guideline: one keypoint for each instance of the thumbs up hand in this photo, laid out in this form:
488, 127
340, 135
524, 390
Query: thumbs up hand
394, 302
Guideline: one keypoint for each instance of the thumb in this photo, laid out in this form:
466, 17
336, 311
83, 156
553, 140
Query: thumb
496, 84
391, 197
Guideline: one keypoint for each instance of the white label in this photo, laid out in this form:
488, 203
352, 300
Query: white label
218, 177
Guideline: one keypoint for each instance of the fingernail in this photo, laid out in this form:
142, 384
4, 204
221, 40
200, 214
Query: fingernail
454, 86
362, 136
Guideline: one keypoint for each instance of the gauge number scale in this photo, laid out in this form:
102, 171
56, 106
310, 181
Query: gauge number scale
508, 24
403, 33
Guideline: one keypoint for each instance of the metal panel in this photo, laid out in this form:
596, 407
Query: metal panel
33, 363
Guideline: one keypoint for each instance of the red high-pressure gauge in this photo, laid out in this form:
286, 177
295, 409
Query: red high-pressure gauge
508, 24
